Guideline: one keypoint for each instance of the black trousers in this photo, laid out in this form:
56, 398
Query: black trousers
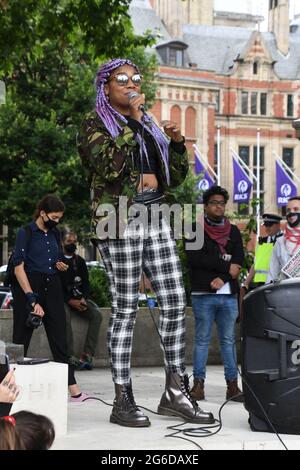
51, 299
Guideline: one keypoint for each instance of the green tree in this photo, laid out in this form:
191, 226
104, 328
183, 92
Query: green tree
97, 28
38, 126
187, 193
48, 65
247, 232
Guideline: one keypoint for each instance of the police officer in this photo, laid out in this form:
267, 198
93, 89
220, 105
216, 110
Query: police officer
258, 272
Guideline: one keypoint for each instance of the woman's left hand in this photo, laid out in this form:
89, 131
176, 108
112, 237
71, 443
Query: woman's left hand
172, 130
61, 266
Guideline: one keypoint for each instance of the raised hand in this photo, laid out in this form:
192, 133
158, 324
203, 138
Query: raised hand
172, 129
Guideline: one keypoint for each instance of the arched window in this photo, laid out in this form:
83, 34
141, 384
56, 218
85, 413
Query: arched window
255, 68
176, 114
190, 122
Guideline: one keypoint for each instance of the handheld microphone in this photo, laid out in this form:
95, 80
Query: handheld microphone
134, 94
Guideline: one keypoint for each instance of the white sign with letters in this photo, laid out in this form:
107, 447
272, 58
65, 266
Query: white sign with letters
292, 267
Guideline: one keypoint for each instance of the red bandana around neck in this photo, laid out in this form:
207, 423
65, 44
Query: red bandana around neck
292, 238
219, 233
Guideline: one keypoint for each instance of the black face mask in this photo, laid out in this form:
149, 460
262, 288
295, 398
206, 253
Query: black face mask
49, 224
70, 248
291, 215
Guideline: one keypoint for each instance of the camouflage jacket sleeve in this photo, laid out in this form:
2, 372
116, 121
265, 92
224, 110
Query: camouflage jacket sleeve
179, 165
100, 153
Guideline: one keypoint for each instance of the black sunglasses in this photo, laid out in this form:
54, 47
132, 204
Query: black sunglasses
122, 79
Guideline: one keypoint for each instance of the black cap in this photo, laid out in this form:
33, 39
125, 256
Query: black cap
271, 219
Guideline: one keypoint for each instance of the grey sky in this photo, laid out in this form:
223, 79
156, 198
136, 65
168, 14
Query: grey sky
259, 7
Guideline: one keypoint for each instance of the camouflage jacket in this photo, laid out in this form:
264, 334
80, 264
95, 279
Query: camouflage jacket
111, 170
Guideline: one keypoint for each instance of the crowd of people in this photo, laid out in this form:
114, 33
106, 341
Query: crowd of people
127, 155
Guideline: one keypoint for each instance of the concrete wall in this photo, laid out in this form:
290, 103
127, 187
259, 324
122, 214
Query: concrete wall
146, 350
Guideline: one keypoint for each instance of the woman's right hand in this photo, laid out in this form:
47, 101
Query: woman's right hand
134, 107
9, 391
38, 310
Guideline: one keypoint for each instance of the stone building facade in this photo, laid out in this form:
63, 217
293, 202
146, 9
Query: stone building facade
237, 78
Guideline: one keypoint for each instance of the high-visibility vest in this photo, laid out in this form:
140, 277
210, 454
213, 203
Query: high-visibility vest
263, 254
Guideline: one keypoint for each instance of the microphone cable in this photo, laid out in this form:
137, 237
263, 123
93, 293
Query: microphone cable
178, 431
204, 431
203, 428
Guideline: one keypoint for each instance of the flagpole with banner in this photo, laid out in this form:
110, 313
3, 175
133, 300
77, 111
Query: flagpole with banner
204, 162
287, 168
258, 182
285, 186
242, 184
219, 155
200, 168
243, 165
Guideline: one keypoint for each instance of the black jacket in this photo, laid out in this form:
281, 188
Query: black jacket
206, 264
77, 267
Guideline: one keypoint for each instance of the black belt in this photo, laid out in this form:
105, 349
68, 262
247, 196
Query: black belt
149, 196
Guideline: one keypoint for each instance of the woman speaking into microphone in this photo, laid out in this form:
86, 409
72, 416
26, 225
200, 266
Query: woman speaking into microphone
126, 155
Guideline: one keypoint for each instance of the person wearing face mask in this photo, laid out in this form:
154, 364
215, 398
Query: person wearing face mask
37, 288
75, 283
286, 246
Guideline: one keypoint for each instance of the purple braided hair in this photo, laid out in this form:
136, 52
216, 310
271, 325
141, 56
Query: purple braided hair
110, 116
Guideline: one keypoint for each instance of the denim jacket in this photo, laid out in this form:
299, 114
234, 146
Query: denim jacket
110, 166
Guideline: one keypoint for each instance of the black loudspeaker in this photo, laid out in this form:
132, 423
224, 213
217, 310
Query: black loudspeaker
271, 356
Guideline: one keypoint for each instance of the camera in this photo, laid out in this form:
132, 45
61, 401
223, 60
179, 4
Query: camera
75, 292
33, 321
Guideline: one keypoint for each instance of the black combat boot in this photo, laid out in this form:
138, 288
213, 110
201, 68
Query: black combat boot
177, 401
125, 412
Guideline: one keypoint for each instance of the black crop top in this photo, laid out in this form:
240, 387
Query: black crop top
152, 167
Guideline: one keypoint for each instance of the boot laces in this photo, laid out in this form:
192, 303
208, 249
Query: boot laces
185, 385
128, 396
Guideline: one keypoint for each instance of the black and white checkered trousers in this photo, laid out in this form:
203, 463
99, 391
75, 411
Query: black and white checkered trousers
125, 259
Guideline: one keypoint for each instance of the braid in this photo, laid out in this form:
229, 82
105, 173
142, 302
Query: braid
110, 116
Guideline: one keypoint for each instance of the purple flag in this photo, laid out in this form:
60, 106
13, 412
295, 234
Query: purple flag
206, 181
285, 186
242, 184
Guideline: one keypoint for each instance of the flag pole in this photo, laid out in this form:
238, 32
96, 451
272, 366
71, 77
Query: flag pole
205, 163
219, 155
243, 165
258, 182
287, 168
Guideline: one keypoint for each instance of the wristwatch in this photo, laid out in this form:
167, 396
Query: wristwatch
244, 286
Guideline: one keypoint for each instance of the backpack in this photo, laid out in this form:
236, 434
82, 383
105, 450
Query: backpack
10, 277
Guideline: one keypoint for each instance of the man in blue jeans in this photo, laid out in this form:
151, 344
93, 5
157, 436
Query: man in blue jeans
214, 270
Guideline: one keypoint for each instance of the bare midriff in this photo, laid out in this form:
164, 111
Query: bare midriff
149, 181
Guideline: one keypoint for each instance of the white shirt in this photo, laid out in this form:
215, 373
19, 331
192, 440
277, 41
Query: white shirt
279, 258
